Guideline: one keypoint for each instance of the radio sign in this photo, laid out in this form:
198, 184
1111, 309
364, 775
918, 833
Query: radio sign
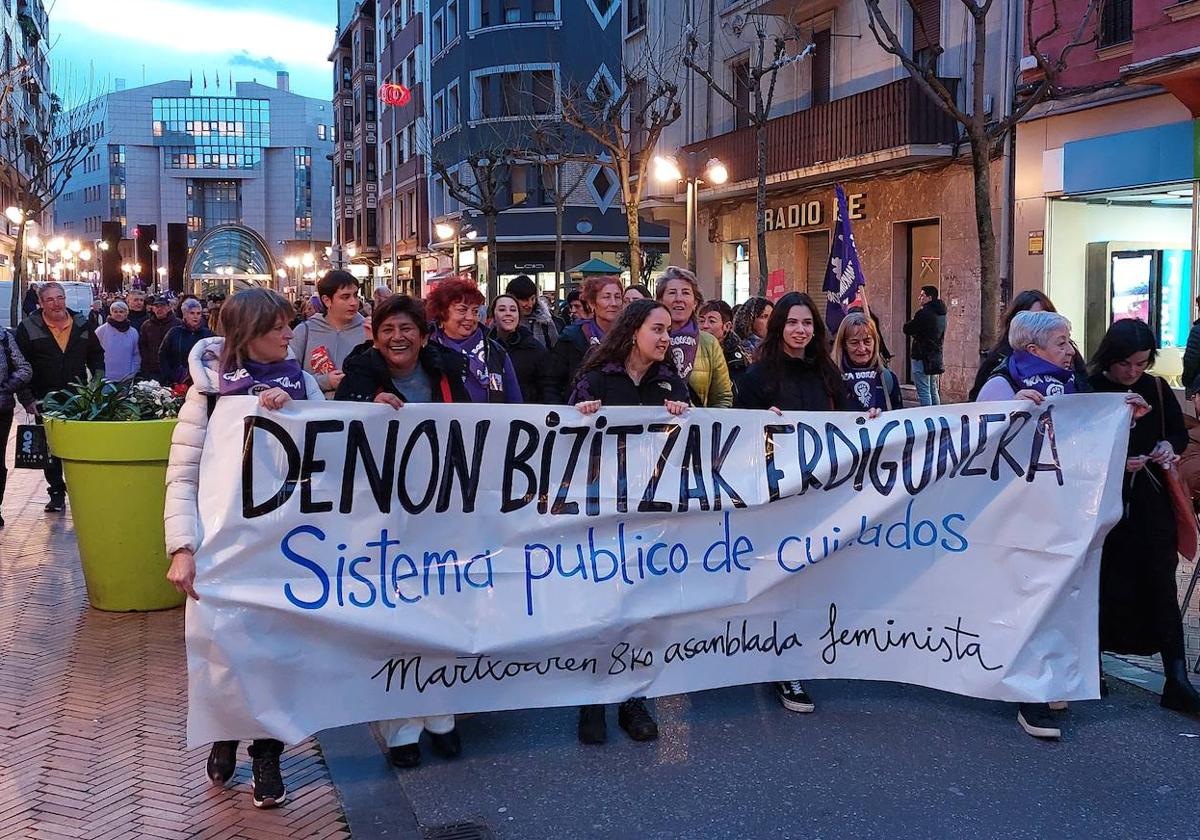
812, 213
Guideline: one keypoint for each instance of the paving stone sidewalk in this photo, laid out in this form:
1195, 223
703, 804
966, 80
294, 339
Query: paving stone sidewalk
93, 708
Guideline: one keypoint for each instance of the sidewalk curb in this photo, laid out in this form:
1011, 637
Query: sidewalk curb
1135, 675
374, 802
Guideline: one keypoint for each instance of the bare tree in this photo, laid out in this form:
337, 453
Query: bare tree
44, 153
985, 135
625, 125
559, 152
485, 192
768, 53
651, 259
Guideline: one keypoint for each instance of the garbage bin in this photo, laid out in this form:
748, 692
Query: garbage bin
116, 482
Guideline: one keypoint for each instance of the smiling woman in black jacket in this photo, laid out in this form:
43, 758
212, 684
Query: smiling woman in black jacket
530, 358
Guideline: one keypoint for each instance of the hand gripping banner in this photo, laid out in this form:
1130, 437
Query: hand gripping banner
360, 563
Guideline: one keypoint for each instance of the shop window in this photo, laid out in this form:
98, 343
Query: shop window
735, 274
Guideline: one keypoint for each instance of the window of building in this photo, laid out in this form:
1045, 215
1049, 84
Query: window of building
372, 102
484, 15
544, 10
387, 156
410, 69
637, 130
545, 99
451, 21
369, 47
452, 106
438, 29
637, 14
741, 93
320, 131
512, 11
439, 114
510, 94
821, 68
926, 32
412, 209
1116, 22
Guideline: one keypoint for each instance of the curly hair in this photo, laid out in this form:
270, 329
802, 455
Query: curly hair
593, 286
743, 319
449, 292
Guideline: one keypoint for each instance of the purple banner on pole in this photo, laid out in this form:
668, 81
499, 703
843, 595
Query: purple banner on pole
843, 275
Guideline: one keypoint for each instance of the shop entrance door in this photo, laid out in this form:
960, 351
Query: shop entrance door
924, 268
812, 257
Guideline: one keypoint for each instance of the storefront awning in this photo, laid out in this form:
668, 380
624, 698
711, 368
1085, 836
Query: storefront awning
1163, 154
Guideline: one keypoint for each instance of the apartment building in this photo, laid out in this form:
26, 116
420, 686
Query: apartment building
845, 112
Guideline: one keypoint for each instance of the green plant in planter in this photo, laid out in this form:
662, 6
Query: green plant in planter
100, 399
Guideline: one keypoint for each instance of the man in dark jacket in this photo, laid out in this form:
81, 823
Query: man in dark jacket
179, 341
151, 334
927, 329
62, 348
136, 300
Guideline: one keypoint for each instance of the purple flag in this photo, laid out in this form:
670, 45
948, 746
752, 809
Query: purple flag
843, 276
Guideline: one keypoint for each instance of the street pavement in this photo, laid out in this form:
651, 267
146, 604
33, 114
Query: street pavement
874, 760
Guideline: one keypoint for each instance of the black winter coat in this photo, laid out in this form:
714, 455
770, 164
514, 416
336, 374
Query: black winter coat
367, 374
612, 385
800, 388
566, 357
533, 364
52, 367
927, 329
173, 353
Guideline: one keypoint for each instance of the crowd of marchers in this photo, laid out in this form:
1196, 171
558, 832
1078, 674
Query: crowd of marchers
605, 345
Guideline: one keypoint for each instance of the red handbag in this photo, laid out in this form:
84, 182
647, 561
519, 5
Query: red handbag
1187, 532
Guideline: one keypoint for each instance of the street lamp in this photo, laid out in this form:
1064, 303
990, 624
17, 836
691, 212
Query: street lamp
154, 257
668, 170
15, 215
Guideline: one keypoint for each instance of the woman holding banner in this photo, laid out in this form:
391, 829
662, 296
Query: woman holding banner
252, 359
856, 351
454, 306
401, 366
793, 371
698, 356
631, 366
1139, 602
604, 298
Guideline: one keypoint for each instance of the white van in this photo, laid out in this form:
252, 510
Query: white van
79, 299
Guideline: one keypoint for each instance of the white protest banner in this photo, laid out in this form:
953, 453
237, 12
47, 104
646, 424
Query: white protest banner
360, 563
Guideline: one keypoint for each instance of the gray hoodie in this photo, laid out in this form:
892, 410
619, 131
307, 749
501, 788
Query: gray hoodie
541, 324
318, 332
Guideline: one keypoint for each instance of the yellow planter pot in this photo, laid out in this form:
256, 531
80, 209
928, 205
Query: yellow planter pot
116, 481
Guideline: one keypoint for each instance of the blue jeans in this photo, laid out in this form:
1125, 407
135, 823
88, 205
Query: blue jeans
928, 392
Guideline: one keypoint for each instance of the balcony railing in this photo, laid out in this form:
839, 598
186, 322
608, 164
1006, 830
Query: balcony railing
894, 115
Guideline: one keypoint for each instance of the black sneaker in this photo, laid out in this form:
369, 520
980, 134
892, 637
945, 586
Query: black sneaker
222, 761
447, 745
593, 729
269, 791
636, 721
1039, 720
793, 697
56, 504
406, 756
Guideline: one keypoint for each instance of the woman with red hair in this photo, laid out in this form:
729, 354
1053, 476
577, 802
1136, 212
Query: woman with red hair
605, 298
486, 370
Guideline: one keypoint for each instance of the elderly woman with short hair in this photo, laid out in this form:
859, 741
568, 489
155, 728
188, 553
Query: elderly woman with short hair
1041, 362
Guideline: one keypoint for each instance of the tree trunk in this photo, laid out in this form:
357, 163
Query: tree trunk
18, 274
760, 206
559, 209
635, 242
493, 262
989, 279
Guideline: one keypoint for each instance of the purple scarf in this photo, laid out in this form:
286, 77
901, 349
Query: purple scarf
865, 386
591, 331
685, 341
254, 378
479, 379
1030, 371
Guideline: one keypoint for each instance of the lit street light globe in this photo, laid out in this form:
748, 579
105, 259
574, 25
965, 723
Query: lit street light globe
715, 172
666, 169
443, 230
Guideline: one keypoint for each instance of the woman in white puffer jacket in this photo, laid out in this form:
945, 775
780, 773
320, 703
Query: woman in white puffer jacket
252, 359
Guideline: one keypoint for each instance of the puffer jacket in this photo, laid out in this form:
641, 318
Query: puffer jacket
15, 372
181, 515
709, 379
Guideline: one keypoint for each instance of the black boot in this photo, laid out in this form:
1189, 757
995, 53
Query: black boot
592, 727
447, 745
269, 791
634, 718
222, 761
1178, 694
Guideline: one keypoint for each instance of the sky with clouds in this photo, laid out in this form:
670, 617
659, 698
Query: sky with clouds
160, 40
